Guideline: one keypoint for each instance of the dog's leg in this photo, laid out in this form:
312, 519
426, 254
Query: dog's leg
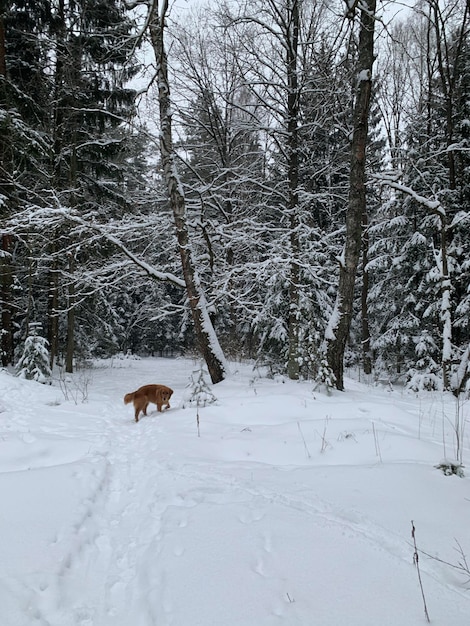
144, 410
139, 405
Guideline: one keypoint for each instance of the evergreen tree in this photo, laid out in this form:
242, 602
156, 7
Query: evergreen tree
24, 146
34, 362
78, 58
420, 252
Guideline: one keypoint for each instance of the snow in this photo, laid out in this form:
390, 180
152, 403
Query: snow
291, 507
364, 76
388, 178
333, 322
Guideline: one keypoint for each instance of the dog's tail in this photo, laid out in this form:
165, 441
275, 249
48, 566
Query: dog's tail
129, 397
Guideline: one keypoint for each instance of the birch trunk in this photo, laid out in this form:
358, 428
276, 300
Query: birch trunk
52, 312
446, 307
70, 346
205, 334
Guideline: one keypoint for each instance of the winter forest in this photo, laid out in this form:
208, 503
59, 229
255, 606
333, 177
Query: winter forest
286, 181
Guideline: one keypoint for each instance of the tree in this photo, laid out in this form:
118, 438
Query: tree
338, 328
24, 145
222, 169
281, 65
34, 362
419, 319
205, 334
90, 102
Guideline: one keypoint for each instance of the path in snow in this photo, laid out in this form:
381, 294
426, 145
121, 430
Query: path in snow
169, 529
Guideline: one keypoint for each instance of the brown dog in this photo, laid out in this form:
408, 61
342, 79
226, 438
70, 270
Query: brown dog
157, 394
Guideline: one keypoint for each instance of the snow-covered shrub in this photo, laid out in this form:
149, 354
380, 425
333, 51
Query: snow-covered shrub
325, 377
450, 468
427, 375
199, 393
34, 362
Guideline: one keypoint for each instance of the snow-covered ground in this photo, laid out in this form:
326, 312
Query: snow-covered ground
290, 508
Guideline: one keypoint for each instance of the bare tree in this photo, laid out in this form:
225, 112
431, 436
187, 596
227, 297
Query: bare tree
205, 334
277, 69
223, 165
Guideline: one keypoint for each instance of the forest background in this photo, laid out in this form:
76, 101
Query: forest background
221, 207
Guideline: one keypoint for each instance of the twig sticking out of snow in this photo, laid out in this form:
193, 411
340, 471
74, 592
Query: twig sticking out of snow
377, 443
307, 451
324, 442
416, 562
462, 565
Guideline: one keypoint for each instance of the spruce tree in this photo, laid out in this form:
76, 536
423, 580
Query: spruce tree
34, 362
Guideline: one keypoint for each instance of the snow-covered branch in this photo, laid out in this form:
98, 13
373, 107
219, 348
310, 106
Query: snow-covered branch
391, 180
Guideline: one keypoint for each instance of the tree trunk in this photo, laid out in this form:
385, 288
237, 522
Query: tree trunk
205, 334
3, 63
6, 284
52, 312
292, 39
338, 329
6, 273
70, 347
365, 339
446, 307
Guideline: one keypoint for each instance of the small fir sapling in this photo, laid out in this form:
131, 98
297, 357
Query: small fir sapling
325, 377
34, 362
199, 394
427, 373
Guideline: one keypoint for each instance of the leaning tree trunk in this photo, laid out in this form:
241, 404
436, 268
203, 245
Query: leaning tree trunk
205, 334
338, 329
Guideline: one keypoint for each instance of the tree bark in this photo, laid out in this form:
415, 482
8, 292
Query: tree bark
6, 283
70, 347
366, 349
204, 330
338, 329
52, 312
3, 63
6, 272
292, 40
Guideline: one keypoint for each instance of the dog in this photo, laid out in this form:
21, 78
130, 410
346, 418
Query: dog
157, 394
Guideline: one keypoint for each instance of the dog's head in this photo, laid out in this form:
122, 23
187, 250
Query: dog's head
165, 394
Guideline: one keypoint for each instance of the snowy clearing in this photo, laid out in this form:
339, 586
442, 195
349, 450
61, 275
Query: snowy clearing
291, 507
